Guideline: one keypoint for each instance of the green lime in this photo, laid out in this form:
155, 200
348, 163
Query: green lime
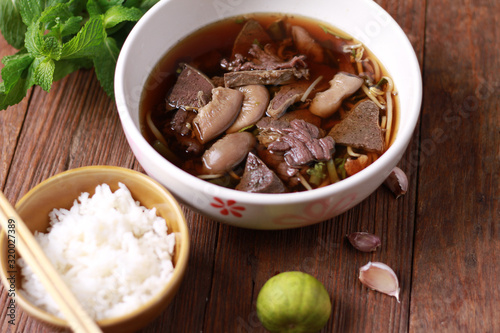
293, 302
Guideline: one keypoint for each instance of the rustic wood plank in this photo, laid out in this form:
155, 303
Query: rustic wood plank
452, 285
456, 263
11, 121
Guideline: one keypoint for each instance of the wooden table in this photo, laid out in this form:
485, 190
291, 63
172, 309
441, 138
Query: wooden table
442, 238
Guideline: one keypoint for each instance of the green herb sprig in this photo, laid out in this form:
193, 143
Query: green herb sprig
56, 38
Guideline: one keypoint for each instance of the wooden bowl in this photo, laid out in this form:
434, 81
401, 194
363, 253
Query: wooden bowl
60, 191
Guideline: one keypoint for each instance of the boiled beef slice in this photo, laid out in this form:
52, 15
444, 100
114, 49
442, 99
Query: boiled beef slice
270, 129
360, 128
263, 59
285, 97
301, 145
265, 77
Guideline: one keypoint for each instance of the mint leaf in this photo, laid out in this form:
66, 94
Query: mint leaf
11, 23
143, 5
147, 4
34, 39
44, 73
77, 7
39, 45
18, 91
52, 48
15, 65
60, 11
57, 37
84, 43
98, 7
71, 26
14, 96
67, 66
105, 63
118, 14
30, 10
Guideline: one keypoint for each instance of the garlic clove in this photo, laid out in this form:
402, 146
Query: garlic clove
380, 277
364, 241
397, 182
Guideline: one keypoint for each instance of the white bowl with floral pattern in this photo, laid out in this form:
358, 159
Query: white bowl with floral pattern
171, 20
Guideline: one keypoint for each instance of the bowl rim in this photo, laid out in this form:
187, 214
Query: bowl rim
394, 152
182, 235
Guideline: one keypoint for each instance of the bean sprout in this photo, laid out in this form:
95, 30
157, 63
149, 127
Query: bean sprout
155, 130
304, 182
388, 92
373, 98
352, 153
310, 88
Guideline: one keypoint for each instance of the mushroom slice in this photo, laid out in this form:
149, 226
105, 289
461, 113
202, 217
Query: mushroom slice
360, 128
285, 97
305, 44
255, 101
215, 117
258, 178
343, 85
227, 152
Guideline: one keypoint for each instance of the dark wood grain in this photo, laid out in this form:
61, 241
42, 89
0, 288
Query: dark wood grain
457, 242
10, 123
441, 238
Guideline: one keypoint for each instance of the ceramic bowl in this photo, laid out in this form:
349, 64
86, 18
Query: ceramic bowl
60, 191
171, 20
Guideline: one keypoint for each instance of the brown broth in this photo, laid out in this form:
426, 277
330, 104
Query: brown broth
205, 48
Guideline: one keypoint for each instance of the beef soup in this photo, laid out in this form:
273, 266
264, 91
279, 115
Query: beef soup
270, 103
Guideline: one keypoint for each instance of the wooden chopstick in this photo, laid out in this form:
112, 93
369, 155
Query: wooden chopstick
34, 256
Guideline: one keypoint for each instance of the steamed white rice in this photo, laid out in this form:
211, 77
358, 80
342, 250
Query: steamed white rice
113, 253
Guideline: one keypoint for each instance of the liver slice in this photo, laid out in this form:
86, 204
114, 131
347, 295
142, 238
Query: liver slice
360, 128
192, 89
258, 178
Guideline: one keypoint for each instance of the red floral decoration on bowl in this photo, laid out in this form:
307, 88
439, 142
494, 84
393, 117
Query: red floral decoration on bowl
228, 207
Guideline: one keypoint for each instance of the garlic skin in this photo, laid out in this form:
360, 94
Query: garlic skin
397, 182
380, 277
364, 241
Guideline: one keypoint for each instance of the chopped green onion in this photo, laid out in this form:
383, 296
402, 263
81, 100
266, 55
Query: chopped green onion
339, 163
246, 128
316, 173
256, 42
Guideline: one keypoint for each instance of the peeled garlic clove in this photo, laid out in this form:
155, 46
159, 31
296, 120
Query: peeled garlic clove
380, 277
364, 241
397, 182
